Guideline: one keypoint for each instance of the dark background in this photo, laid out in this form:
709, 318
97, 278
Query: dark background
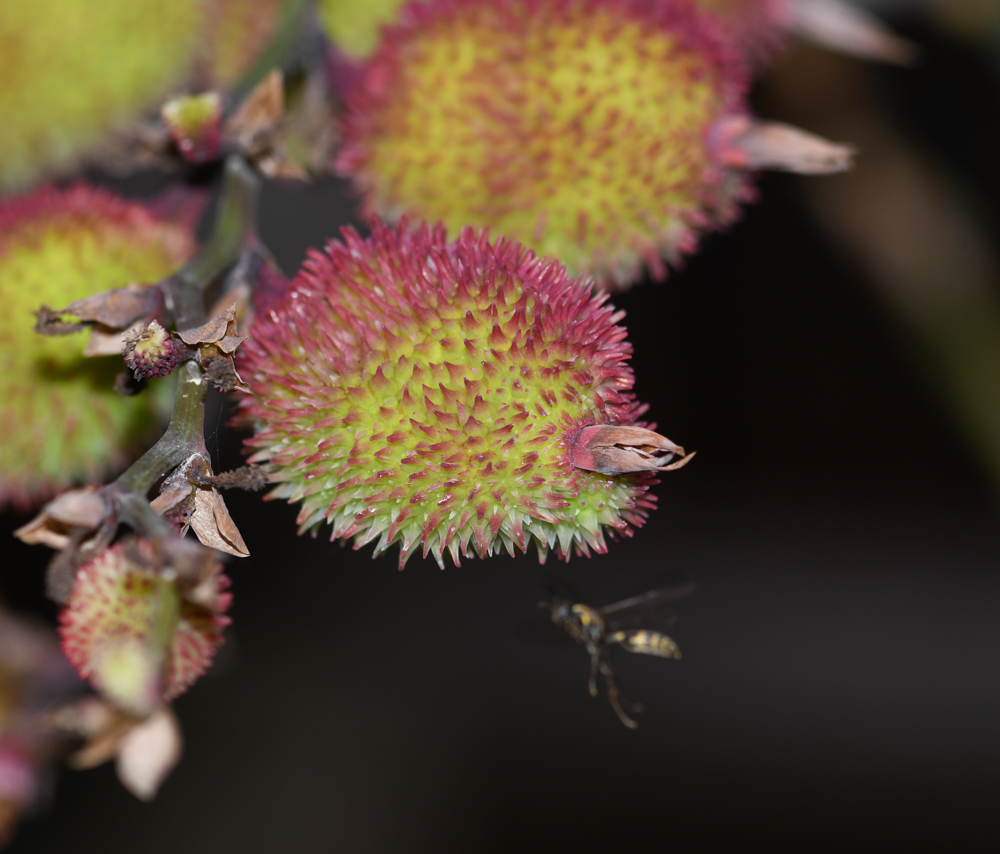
839, 681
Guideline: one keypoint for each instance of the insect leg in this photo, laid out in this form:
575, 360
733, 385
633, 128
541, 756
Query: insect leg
595, 665
619, 702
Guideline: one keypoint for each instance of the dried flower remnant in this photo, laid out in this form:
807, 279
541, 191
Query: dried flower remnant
62, 420
762, 27
150, 351
130, 628
414, 391
189, 499
145, 749
585, 130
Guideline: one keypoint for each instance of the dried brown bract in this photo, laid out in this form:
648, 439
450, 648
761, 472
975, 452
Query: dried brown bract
188, 499
618, 450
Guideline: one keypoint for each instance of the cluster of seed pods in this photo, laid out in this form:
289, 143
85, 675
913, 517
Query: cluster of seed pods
455, 384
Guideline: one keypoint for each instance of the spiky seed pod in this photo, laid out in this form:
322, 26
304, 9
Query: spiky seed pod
757, 27
414, 391
234, 32
73, 71
128, 629
354, 27
62, 421
582, 128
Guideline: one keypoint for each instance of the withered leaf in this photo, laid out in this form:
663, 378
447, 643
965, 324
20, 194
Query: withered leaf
96, 721
262, 109
172, 493
214, 526
200, 507
117, 309
221, 326
49, 322
229, 344
84, 508
109, 342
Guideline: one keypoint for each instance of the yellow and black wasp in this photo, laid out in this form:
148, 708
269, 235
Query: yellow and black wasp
618, 624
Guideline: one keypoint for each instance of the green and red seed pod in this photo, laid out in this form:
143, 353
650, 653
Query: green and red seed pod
62, 421
581, 128
150, 352
757, 27
607, 134
130, 631
195, 125
442, 396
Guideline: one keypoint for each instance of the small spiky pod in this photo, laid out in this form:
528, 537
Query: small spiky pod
582, 128
414, 391
195, 125
130, 631
73, 71
62, 420
150, 351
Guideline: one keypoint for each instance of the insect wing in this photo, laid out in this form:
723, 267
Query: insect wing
651, 609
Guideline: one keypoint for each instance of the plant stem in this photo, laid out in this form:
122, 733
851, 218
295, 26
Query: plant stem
278, 49
235, 224
184, 436
234, 227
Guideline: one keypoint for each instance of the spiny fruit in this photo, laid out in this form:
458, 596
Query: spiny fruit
414, 391
234, 32
74, 71
129, 630
757, 27
62, 419
582, 128
354, 27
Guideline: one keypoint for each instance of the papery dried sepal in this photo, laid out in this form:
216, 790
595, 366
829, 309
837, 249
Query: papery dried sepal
148, 752
189, 499
622, 449
753, 144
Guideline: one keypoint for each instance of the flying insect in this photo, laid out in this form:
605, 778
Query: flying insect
620, 624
